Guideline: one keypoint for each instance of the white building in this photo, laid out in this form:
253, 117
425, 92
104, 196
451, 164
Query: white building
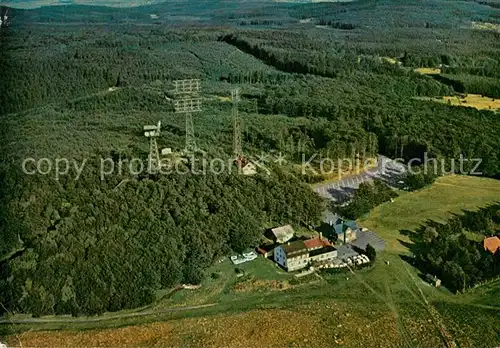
292, 256
323, 254
299, 254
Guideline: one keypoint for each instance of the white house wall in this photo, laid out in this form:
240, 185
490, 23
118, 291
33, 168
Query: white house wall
326, 256
296, 263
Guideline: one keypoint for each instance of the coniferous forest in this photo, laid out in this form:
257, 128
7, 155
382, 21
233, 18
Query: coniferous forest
335, 79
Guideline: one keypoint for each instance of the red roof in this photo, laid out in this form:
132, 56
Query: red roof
261, 251
491, 244
316, 243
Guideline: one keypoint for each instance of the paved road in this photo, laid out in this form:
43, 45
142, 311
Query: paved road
102, 318
387, 170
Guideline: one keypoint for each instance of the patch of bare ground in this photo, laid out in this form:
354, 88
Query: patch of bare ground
317, 324
258, 284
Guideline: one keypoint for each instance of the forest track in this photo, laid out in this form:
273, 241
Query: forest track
403, 331
59, 103
389, 302
435, 315
464, 186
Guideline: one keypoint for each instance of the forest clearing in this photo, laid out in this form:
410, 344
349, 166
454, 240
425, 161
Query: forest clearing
476, 101
486, 26
428, 71
448, 195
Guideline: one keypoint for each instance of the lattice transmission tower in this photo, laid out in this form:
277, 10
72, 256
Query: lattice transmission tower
153, 132
187, 102
4, 19
237, 148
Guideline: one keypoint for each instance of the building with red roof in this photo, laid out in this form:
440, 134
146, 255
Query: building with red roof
491, 244
316, 243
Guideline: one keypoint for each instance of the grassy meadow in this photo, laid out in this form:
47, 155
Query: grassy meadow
428, 71
471, 101
449, 195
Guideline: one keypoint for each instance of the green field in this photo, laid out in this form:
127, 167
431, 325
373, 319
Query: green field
449, 195
388, 303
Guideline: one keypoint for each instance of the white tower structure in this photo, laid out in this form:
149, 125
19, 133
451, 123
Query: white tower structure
186, 103
153, 132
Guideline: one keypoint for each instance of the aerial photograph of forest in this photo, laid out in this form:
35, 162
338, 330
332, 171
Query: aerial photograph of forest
250, 173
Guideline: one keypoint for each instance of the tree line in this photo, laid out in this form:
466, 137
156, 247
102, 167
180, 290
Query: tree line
454, 251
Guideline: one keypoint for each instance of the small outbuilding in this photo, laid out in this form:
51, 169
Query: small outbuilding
266, 250
282, 234
346, 231
337, 229
433, 280
249, 169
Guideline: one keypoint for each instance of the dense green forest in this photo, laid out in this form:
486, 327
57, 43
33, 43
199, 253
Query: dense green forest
86, 248
449, 252
79, 91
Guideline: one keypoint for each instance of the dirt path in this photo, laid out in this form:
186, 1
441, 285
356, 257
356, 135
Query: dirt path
464, 186
102, 318
436, 317
403, 332
389, 301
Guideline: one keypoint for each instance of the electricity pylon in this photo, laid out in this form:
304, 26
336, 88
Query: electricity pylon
237, 148
188, 102
239, 159
153, 132
3, 19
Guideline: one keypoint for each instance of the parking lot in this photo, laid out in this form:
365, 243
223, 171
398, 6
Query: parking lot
363, 238
340, 191
345, 252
